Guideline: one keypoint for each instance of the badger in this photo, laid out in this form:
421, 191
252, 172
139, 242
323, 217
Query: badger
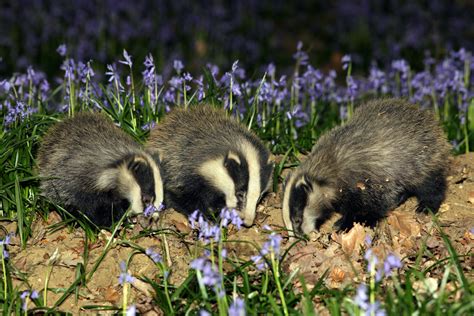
210, 161
388, 151
90, 166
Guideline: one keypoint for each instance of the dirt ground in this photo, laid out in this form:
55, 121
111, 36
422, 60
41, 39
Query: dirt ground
402, 233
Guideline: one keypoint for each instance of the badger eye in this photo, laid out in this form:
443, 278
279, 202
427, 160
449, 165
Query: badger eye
240, 195
147, 199
297, 221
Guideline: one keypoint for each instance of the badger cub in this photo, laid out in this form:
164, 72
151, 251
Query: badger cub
91, 166
390, 150
210, 161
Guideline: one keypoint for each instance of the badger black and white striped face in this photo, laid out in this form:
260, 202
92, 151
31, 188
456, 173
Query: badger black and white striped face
306, 203
242, 177
137, 179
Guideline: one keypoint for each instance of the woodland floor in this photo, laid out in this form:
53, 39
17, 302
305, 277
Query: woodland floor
402, 233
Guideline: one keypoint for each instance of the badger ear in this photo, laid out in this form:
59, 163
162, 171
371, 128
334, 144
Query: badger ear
231, 158
304, 183
107, 179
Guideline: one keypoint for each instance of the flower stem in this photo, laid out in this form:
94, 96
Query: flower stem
276, 274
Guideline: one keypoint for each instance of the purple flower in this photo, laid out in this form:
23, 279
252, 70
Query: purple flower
391, 263
114, 76
214, 69
235, 66
149, 63
127, 59
272, 246
362, 298
62, 50
210, 274
300, 56
25, 294
187, 76
203, 312
5, 85
193, 218
224, 253
371, 259
156, 257
237, 308
259, 262
131, 310
271, 69
69, 67
230, 216
207, 232
34, 295
150, 208
125, 277
351, 87
346, 60
178, 65
23, 297
368, 240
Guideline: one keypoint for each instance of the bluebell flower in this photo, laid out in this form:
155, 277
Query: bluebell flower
178, 65
24, 295
34, 294
362, 298
62, 50
131, 310
346, 60
300, 56
214, 69
271, 69
230, 216
203, 312
368, 240
156, 257
69, 68
391, 263
127, 59
193, 218
237, 308
352, 87
272, 246
371, 259
187, 76
150, 208
210, 273
259, 262
125, 277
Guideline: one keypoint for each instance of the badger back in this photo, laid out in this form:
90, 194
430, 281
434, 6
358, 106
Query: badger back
205, 142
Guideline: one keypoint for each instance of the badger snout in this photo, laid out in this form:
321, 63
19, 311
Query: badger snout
297, 225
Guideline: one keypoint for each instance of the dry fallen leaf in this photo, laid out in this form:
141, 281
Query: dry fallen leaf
404, 223
182, 227
111, 295
426, 286
352, 240
337, 274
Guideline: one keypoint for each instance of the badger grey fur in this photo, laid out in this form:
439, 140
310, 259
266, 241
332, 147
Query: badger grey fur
390, 150
90, 166
210, 161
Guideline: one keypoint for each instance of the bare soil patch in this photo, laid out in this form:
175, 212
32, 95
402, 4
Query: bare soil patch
403, 233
